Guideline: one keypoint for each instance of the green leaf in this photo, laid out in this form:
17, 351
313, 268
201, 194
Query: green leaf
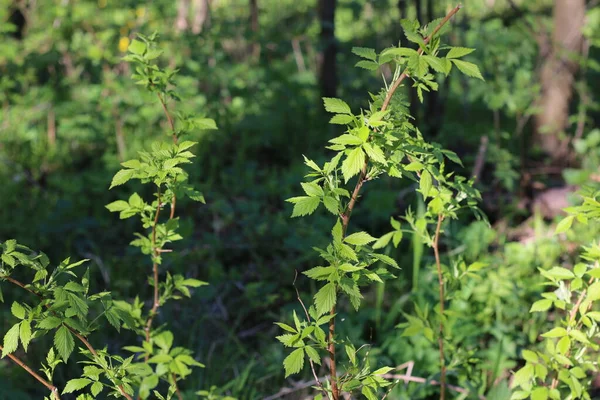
11, 340
25, 333
294, 362
374, 152
205, 123
341, 119
97, 387
523, 377
468, 69
458, 52
347, 139
76, 384
137, 47
285, 327
382, 371
312, 189
49, 323
399, 51
540, 393
331, 204
530, 356
565, 224
541, 305
368, 65
359, 238
386, 260
425, 183
64, 343
325, 298
383, 241
353, 163
336, 106
17, 310
313, 355
556, 332
304, 205
117, 206
437, 64
593, 293
365, 52
417, 65
121, 177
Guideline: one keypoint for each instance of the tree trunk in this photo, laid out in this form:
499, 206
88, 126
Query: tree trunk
557, 76
327, 56
254, 28
183, 9
201, 15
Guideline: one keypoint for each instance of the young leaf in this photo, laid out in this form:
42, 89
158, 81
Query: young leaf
341, 119
365, 52
353, 163
304, 205
565, 224
312, 189
64, 343
369, 65
294, 362
359, 238
313, 355
121, 177
325, 298
25, 333
11, 340
458, 52
336, 106
425, 183
468, 69
17, 310
76, 384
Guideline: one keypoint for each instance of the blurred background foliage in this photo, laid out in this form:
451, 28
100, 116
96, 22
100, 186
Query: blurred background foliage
70, 113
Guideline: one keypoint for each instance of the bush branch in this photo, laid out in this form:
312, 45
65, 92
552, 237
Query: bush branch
31, 372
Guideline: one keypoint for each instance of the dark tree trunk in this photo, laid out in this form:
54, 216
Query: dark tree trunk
254, 28
557, 76
327, 56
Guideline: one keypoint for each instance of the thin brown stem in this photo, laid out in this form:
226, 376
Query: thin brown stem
179, 396
436, 251
345, 216
398, 81
31, 372
79, 336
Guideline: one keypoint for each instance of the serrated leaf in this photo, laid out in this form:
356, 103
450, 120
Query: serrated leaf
331, 204
365, 52
437, 64
121, 177
399, 51
383, 241
49, 323
11, 340
374, 152
341, 119
64, 343
97, 387
313, 355
76, 384
458, 52
368, 65
304, 205
325, 298
359, 238
312, 189
353, 163
25, 334
285, 327
347, 139
593, 292
468, 69
386, 259
382, 371
336, 106
425, 183
294, 362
